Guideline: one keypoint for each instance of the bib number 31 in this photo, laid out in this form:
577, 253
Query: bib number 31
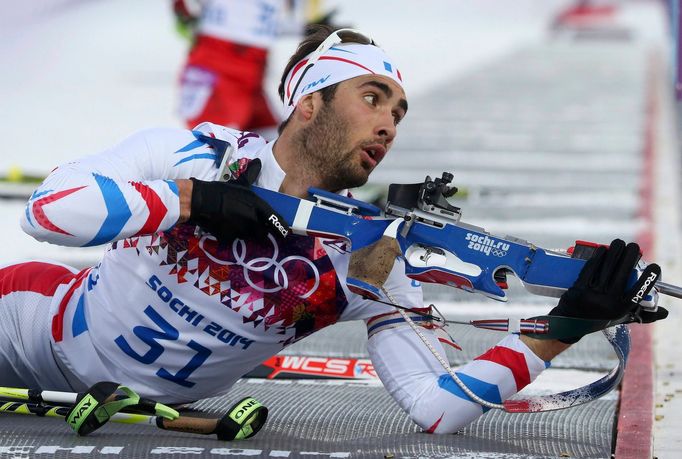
151, 337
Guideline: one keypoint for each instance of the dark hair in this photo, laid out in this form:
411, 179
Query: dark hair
314, 35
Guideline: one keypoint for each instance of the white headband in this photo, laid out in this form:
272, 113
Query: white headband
338, 62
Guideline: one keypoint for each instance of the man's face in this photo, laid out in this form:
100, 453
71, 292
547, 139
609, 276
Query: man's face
350, 135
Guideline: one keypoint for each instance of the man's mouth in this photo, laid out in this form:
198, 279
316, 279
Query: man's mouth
375, 152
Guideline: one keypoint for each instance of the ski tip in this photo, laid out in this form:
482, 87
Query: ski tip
517, 406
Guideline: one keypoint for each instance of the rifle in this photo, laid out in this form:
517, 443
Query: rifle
421, 226
436, 245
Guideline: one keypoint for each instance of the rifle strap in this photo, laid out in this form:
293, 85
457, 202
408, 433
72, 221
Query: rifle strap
549, 326
560, 327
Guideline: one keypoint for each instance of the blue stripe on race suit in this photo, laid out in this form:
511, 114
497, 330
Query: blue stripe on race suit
79, 325
211, 156
118, 212
28, 215
485, 390
193, 144
173, 187
219, 146
37, 194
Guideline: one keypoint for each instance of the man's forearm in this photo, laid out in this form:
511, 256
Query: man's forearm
76, 207
546, 349
185, 192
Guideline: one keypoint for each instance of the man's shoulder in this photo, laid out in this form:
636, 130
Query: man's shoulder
245, 142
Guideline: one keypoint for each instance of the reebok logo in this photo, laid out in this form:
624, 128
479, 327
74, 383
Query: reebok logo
645, 286
277, 224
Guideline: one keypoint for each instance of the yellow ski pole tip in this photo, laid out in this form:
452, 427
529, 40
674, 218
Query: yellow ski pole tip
15, 174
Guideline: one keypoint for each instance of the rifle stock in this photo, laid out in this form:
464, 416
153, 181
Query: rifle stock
436, 246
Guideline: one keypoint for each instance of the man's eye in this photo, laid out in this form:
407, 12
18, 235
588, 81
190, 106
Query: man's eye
396, 119
371, 98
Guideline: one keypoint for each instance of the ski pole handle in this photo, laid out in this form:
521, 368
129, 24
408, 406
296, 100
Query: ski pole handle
202, 426
243, 420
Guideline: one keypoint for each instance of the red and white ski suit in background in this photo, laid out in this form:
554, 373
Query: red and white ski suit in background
173, 315
222, 81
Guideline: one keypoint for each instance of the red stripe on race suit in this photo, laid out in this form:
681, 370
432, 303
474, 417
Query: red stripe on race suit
157, 209
33, 276
39, 213
58, 319
433, 428
514, 360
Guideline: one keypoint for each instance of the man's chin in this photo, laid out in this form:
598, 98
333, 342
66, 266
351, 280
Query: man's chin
357, 179
353, 175
368, 166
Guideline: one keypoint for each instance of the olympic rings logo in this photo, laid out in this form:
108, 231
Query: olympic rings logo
262, 264
498, 252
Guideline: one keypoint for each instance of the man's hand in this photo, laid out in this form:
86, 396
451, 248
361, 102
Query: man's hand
327, 19
187, 13
230, 210
600, 290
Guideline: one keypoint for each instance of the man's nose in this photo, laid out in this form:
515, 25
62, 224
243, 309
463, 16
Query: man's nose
386, 127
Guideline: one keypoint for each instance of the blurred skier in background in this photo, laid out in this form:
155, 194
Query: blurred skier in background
222, 80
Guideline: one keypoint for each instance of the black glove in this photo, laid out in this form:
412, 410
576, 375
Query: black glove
185, 13
600, 290
230, 210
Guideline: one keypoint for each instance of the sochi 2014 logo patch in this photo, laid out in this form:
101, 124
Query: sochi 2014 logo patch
487, 245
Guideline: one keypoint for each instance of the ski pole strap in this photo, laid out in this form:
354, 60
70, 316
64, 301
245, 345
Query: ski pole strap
152, 407
244, 419
96, 406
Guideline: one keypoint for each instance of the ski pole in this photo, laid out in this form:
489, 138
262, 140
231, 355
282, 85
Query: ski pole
243, 420
60, 398
53, 411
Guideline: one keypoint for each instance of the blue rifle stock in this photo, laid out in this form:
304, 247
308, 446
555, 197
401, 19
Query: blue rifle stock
436, 245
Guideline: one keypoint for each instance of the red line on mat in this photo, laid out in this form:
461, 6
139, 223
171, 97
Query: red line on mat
634, 438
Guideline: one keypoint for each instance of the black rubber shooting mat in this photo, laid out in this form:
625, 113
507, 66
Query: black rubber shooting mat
329, 418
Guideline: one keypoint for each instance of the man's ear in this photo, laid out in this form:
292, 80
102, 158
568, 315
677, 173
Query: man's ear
308, 105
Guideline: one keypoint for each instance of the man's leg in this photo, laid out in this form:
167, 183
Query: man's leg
26, 293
